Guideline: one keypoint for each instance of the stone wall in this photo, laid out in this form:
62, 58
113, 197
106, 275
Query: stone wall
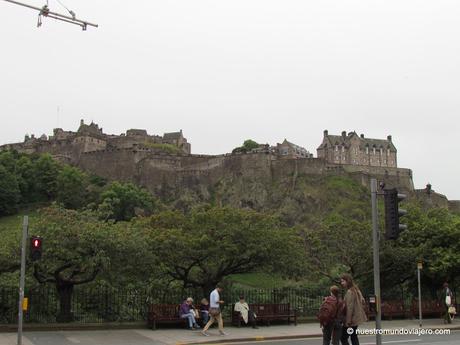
431, 199
454, 206
155, 169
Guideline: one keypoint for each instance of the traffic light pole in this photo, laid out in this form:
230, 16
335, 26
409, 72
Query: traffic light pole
375, 241
25, 226
419, 266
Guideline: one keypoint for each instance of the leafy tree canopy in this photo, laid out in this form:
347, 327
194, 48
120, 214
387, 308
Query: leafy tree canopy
204, 247
123, 201
248, 145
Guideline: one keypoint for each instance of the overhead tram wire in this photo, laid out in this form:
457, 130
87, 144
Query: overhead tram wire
45, 12
72, 13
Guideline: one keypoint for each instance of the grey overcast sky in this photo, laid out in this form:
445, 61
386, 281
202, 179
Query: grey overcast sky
226, 71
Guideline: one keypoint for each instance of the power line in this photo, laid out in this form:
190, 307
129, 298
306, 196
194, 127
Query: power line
45, 12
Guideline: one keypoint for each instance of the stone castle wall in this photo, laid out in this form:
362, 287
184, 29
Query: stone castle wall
153, 169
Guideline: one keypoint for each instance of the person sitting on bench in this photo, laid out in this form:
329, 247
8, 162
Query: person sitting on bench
247, 315
187, 312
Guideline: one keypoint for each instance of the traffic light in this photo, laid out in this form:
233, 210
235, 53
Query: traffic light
392, 213
35, 248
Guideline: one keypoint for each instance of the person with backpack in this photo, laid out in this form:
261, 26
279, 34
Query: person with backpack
354, 310
329, 317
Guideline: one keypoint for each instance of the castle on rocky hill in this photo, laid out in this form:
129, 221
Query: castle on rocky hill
342, 149
90, 138
165, 163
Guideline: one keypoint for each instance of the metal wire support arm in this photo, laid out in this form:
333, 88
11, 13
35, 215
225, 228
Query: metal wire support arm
44, 11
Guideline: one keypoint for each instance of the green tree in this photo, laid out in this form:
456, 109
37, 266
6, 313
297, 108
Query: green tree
9, 192
339, 244
248, 145
71, 187
27, 182
434, 236
204, 247
46, 171
121, 201
76, 249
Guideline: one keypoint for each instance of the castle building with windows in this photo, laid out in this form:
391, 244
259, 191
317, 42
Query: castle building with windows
354, 149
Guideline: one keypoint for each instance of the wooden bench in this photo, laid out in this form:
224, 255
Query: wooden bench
370, 313
163, 313
394, 308
429, 308
267, 312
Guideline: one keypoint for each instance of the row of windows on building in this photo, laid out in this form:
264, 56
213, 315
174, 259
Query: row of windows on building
372, 161
285, 152
355, 150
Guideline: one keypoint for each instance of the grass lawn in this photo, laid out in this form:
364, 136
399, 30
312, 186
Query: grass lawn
13, 224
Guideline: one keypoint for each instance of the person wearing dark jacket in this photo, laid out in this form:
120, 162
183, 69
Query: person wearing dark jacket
204, 311
332, 330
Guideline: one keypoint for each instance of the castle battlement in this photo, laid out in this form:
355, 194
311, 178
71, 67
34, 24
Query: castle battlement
91, 138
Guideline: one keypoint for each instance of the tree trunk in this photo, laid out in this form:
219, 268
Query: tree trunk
207, 288
65, 291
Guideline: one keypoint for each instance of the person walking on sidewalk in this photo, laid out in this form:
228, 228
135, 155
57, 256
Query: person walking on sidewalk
330, 317
354, 314
214, 311
447, 301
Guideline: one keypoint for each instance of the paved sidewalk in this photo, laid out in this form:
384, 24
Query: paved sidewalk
182, 336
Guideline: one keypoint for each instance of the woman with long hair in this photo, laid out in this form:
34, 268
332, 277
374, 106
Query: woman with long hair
354, 314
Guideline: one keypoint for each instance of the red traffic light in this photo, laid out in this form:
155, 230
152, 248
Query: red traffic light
36, 243
35, 248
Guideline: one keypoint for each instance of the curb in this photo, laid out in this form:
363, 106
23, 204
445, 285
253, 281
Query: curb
11, 328
253, 339
284, 337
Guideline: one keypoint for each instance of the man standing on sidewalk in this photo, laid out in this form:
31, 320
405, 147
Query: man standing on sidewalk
214, 311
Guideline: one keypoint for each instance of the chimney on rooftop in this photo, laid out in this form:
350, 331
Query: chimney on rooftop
344, 134
362, 136
326, 133
389, 138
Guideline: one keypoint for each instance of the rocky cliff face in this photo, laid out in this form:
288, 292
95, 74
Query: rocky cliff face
259, 181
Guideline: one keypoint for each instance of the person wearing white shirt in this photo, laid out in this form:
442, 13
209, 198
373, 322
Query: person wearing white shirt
214, 311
